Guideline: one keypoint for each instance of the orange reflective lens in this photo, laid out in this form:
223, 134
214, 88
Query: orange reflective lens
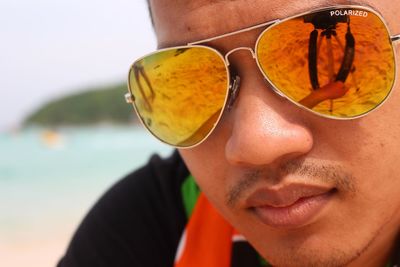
179, 93
337, 62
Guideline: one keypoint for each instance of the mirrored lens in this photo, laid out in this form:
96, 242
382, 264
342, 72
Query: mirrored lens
180, 93
337, 62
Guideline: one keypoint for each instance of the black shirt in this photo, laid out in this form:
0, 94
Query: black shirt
138, 222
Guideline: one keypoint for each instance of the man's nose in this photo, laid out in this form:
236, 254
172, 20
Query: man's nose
264, 126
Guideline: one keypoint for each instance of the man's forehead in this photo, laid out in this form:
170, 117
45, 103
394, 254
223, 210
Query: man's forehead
178, 22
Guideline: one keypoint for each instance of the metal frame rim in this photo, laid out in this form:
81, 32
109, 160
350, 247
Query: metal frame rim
276, 90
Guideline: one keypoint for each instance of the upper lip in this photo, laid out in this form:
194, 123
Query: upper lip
283, 196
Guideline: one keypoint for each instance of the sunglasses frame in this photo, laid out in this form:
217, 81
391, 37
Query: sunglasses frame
129, 98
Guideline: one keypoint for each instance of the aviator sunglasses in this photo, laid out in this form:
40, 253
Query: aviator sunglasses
336, 62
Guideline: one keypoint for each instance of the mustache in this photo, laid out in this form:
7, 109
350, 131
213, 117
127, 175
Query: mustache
330, 174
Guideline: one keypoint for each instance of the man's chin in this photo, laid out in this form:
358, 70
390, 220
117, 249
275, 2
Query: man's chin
310, 247
311, 257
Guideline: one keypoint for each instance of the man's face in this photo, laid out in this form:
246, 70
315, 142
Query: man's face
304, 190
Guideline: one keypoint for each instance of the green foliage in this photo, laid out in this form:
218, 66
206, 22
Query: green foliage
91, 107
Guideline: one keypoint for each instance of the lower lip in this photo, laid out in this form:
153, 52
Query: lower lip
296, 215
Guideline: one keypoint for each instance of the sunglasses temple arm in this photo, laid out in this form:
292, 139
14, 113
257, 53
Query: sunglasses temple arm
395, 38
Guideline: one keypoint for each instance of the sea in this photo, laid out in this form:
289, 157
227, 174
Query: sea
49, 179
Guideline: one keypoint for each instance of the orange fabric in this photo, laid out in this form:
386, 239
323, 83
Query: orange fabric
207, 240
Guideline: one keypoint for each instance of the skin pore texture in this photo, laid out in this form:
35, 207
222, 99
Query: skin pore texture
266, 142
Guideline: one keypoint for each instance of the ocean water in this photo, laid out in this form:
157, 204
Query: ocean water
49, 179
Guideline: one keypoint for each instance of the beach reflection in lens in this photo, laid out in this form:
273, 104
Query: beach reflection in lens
179, 93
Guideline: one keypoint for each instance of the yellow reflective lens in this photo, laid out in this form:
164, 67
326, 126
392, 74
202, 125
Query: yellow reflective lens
283, 55
179, 93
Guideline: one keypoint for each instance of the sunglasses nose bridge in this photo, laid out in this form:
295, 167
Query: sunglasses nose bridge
238, 49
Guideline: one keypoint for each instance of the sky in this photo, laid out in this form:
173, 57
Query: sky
51, 48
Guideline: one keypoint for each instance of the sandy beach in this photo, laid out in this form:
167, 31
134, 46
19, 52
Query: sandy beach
36, 253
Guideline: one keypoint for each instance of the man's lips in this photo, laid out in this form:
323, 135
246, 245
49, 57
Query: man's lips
283, 196
289, 206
